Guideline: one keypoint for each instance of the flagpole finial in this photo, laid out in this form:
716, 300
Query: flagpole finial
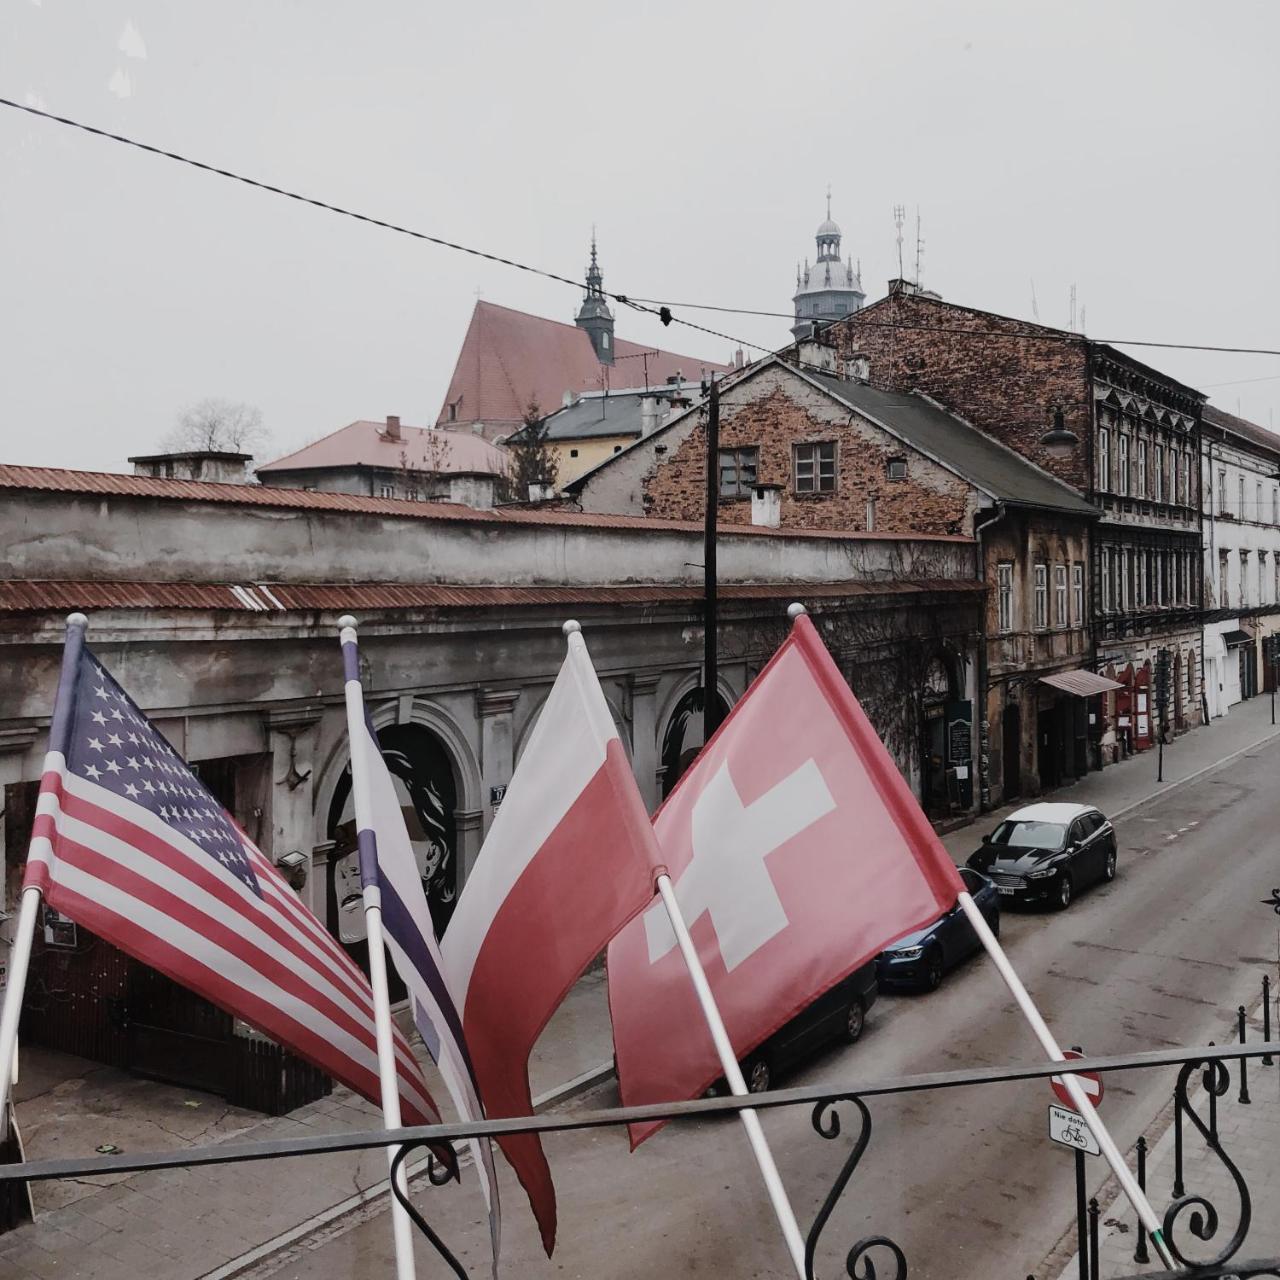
77, 620
796, 610
572, 627
347, 621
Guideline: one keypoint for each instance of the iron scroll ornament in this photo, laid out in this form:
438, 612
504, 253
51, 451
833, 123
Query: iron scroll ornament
1273, 901
1202, 1215
859, 1264
438, 1173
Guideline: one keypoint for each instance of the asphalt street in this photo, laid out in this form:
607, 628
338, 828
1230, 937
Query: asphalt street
965, 1181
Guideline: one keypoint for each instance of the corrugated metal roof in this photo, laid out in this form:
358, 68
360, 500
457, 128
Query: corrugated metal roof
53, 596
111, 484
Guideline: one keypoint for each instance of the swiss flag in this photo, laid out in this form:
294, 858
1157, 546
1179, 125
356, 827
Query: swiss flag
797, 853
570, 858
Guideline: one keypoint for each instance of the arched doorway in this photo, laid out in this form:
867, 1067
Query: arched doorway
683, 738
427, 785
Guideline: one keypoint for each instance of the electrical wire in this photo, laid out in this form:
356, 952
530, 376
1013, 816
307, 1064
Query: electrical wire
651, 306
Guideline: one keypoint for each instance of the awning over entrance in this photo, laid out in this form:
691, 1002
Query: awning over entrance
1084, 684
1232, 639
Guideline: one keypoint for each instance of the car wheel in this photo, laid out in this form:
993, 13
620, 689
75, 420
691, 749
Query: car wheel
1065, 888
1109, 869
855, 1020
933, 971
759, 1077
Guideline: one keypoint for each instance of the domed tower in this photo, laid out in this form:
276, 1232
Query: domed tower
828, 290
594, 315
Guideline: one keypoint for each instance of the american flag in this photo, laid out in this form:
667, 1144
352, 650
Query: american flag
130, 844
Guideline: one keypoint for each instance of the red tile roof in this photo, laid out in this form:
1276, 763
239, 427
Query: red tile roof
366, 444
109, 484
510, 357
1242, 427
39, 596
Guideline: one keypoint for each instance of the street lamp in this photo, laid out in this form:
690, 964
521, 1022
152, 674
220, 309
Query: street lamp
1059, 441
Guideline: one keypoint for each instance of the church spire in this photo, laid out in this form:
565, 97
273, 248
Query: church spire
594, 315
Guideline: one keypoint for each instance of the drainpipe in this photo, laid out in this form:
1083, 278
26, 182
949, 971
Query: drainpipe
979, 528
1213, 563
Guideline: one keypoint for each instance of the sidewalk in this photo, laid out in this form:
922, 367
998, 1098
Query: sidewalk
186, 1224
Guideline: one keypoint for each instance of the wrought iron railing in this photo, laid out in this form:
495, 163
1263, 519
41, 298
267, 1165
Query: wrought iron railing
1190, 1216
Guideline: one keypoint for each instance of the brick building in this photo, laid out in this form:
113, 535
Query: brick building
1122, 433
802, 447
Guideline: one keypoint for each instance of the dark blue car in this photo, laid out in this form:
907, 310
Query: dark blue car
918, 960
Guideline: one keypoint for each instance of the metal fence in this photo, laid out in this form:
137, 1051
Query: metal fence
835, 1114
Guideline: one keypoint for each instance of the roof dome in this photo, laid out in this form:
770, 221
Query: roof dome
828, 228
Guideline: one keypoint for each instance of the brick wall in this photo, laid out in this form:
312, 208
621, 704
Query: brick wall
773, 412
1007, 386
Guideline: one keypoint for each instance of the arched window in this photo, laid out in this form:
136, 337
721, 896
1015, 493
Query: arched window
683, 737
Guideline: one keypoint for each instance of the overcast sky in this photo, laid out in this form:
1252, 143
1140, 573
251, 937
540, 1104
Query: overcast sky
1128, 148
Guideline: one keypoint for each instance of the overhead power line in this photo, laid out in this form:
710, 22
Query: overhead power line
663, 310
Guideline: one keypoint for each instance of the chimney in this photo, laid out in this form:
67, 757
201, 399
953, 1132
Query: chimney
393, 427
817, 355
650, 415
766, 505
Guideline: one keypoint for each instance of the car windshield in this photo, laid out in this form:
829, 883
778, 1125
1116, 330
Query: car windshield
1027, 834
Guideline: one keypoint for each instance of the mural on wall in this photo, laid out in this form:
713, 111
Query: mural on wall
425, 783
683, 737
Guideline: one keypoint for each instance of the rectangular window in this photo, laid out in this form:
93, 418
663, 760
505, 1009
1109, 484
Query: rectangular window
386, 491
738, 472
1222, 580
1107, 595
1262, 576
1077, 593
1244, 579
1257, 506
814, 467
1042, 596
1162, 573
1060, 595
1004, 595
1140, 580
1240, 508
1277, 581
1141, 487
1104, 459
897, 468
1158, 492
1186, 478
1222, 493
1126, 570
1275, 506
1122, 473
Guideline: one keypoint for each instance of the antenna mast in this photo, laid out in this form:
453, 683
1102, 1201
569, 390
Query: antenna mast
899, 217
919, 250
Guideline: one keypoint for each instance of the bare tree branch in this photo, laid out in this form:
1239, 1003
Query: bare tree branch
218, 426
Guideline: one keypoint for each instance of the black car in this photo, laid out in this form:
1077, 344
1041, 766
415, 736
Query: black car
918, 960
839, 1014
1048, 853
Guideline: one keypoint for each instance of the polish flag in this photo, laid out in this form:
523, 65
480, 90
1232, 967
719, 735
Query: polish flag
570, 858
797, 853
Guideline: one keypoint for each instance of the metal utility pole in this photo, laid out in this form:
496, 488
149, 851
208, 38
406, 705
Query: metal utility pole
710, 620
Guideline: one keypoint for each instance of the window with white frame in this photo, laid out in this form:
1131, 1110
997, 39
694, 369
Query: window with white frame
1107, 595
1004, 595
1104, 459
815, 467
1122, 470
1042, 596
1126, 570
1158, 489
1141, 487
1077, 593
1257, 506
1223, 569
738, 472
1060, 595
1244, 579
1240, 488
1262, 577
1186, 478
1222, 492
1275, 506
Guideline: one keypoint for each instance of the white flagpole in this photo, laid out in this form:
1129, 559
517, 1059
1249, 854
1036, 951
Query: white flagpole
20, 952
402, 1228
733, 1076
1080, 1100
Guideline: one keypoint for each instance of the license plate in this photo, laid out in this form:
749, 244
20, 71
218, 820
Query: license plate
1005, 888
